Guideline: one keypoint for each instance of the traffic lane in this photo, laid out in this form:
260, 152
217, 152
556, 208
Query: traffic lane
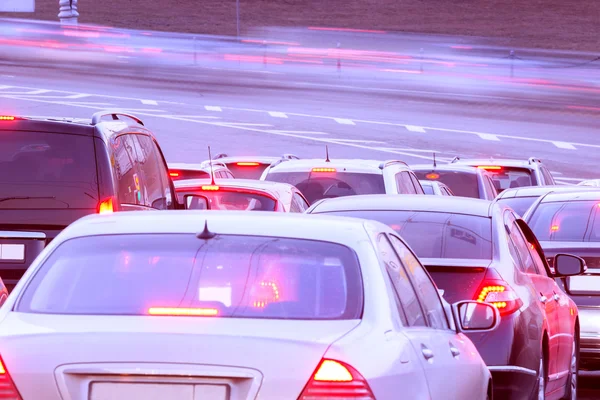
186, 131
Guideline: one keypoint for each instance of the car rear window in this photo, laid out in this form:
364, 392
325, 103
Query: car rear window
223, 199
509, 177
428, 189
321, 185
41, 170
247, 170
228, 276
435, 234
462, 184
575, 221
519, 204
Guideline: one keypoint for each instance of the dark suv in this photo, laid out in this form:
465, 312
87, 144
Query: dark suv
54, 171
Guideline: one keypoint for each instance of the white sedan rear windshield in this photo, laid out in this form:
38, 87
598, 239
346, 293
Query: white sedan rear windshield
227, 276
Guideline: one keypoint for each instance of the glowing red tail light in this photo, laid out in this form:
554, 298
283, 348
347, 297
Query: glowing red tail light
210, 187
247, 164
432, 175
106, 206
490, 167
173, 174
336, 380
323, 170
500, 295
6, 118
8, 390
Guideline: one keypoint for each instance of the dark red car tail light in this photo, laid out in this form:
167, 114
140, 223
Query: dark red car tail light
8, 390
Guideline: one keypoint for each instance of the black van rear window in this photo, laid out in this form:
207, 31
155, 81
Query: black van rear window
40, 170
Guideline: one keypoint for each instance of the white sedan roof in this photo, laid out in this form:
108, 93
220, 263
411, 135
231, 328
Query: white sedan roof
292, 225
341, 165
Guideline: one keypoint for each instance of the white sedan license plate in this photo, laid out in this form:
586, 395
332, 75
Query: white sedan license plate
584, 283
157, 391
12, 252
142, 391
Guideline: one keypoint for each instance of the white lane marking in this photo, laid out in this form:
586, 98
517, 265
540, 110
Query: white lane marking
417, 150
427, 128
277, 114
564, 145
300, 132
213, 108
31, 93
414, 128
149, 102
355, 140
142, 109
77, 96
344, 121
489, 136
195, 116
247, 128
73, 93
238, 124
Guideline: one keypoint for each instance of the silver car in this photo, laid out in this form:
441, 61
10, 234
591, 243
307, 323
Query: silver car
229, 305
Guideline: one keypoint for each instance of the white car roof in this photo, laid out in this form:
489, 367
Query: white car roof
341, 165
504, 162
342, 230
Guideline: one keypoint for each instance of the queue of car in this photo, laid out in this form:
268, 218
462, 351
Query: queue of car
285, 278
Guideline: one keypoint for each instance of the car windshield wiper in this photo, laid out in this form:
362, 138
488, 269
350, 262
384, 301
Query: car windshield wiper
27, 198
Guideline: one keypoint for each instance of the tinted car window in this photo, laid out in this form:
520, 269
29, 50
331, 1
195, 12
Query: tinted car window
236, 200
47, 170
527, 263
505, 178
126, 170
416, 184
249, 171
423, 285
411, 308
462, 184
149, 167
317, 186
428, 189
404, 183
437, 235
233, 276
568, 222
518, 204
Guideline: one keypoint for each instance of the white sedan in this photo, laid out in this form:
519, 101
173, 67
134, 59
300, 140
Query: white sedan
196, 305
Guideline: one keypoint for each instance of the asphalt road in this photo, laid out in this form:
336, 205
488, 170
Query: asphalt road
243, 110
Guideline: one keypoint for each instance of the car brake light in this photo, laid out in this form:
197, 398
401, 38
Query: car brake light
323, 170
247, 164
8, 390
500, 295
490, 167
176, 311
210, 187
6, 118
174, 174
106, 206
554, 228
432, 176
335, 379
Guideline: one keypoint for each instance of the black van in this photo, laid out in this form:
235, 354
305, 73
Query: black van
55, 171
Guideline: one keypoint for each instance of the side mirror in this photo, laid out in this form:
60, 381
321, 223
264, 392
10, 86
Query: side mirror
475, 317
196, 202
568, 265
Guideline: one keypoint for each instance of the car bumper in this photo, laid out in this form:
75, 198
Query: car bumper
589, 351
512, 382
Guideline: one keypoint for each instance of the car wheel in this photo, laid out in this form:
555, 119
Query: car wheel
571, 390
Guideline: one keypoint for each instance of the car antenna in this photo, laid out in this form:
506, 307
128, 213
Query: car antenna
434, 163
212, 174
206, 234
327, 154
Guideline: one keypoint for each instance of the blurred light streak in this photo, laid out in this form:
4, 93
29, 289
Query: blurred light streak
316, 28
270, 42
405, 71
462, 47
